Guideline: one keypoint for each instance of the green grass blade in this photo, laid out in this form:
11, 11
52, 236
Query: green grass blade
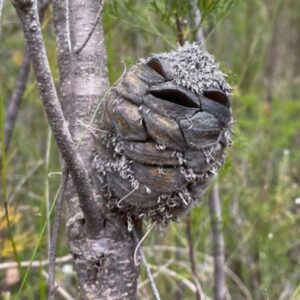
37, 246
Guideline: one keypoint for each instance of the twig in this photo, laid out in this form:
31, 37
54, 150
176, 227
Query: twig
138, 246
27, 11
59, 288
181, 40
79, 49
190, 285
192, 254
239, 283
196, 22
215, 211
209, 259
34, 264
218, 243
68, 34
16, 98
145, 282
46, 189
180, 33
144, 260
54, 234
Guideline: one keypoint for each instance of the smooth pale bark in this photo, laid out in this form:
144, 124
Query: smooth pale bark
104, 265
218, 243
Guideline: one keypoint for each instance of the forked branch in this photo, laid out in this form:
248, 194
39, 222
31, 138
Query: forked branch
28, 14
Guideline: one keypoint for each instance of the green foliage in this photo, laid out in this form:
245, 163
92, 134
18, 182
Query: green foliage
259, 182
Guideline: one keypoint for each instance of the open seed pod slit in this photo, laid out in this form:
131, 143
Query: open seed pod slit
164, 131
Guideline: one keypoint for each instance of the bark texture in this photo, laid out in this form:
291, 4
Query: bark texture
218, 243
104, 265
28, 14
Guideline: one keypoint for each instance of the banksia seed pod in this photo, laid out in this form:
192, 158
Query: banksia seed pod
164, 130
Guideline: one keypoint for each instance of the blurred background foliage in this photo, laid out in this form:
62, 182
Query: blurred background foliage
258, 44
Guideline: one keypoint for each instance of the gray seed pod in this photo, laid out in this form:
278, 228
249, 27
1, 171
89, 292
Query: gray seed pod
164, 131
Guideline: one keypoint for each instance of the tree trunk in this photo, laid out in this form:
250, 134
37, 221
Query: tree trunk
104, 264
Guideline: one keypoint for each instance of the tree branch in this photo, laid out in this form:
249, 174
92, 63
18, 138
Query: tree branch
65, 295
180, 33
78, 50
20, 86
218, 243
148, 270
196, 22
16, 98
34, 264
28, 14
214, 199
54, 234
191, 252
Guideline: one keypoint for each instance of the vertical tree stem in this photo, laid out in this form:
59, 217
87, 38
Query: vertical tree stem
54, 234
218, 243
16, 98
191, 251
104, 265
20, 86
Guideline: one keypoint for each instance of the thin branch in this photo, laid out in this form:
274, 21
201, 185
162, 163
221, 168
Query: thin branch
181, 40
144, 260
68, 34
54, 234
34, 264
218, 243
239, 283
157, 273
16, 99
46, 188
196, 22
20, 85
139, 244
180, 33
27, 11
215, 207
208, 259
192, 254
59, 288
79, 49
170, 273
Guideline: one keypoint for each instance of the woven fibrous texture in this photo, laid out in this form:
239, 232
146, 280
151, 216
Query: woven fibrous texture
164, 131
